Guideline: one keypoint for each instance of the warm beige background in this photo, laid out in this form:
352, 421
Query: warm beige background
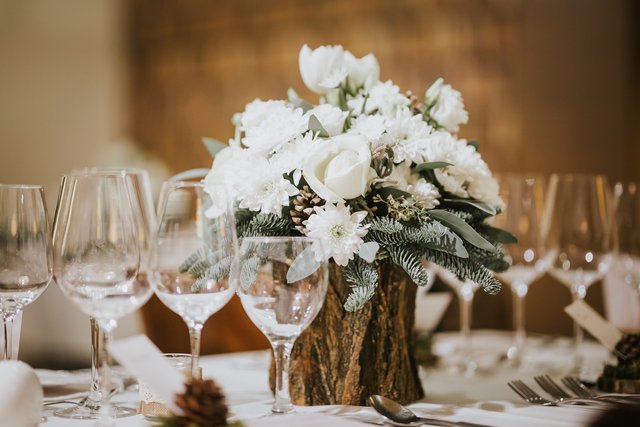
550, 86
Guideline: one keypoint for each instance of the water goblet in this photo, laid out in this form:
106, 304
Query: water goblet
89, 407
97, 256
25, 255
524, 207
577, 230
195, 254
282, 286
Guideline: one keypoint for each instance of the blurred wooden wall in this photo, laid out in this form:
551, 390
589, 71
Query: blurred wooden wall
550, 85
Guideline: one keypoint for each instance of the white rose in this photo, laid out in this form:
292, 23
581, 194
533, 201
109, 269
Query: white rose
331, 118
339, 168
448, 106
322, 69
363, 72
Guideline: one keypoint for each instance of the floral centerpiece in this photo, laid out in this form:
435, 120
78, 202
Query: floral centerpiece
381, 179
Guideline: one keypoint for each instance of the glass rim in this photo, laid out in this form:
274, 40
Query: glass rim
23, 186
580, 175
183, 184
107, 171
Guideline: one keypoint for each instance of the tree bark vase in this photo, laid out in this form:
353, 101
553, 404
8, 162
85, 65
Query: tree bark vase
343, 358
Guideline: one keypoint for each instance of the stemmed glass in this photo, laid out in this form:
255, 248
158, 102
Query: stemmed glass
465, 290
626, 266
97, 255
25, 254
195, 254
524, 207
282, 286
89, 407
577, 229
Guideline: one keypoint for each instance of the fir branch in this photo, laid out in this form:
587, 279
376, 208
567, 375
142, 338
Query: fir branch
196, 263
364, 279
266, 225
465, 268
215, 273
411, 262
494, 261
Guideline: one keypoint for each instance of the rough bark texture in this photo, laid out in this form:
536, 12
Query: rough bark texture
343, 358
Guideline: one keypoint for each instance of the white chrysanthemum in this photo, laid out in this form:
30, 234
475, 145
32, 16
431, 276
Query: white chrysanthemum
222, 180
268, 124
399, 177
448, 106
424, 193
385, 98
371, 127
409, 135
469, 176
262, 187
292, 156
338, 229
331, 118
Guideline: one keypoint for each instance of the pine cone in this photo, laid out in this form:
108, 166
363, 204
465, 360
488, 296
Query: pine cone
203, 405
303, 205
629, 346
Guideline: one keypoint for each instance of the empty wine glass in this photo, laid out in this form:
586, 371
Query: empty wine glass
465, 290
25, 254
625, 269
282, 286
97, 255
195, 254
524, 207
89, 407
577, 229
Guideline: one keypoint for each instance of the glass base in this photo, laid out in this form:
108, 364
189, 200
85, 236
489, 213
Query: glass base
92, 412
282, 408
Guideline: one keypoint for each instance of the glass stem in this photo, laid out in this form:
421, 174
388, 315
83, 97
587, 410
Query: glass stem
465, 297
578, 292
7, 326
105, 418
195, 332
94, 397
519, 293
282, 354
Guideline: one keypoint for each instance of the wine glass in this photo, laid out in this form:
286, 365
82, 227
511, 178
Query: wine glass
89, 407
195, 254
465, 291
524, 207
97, 255
282, 286
625, 270
25, 254
577, 230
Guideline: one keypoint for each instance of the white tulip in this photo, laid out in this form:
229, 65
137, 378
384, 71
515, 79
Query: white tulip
331, 118
363, 72
322, 69
339, 168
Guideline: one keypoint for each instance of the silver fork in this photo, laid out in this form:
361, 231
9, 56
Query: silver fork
530, 396
576, 386
551, 387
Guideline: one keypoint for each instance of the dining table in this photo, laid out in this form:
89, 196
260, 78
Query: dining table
482, 398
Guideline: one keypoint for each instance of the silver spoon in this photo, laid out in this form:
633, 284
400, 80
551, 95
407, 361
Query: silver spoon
402, 415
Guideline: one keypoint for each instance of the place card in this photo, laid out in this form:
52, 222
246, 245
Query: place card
597, 326
143, 359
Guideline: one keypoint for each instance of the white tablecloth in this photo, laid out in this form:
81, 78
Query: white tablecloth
483, 398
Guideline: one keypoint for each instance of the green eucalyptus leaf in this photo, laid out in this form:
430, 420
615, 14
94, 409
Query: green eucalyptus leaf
316, 127
484, 207
427, 166
498, 235
463, 229
213, 146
